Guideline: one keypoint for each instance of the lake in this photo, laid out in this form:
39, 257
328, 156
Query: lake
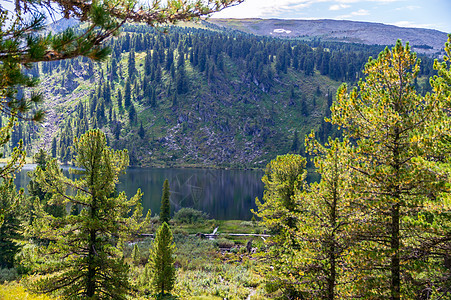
223, 194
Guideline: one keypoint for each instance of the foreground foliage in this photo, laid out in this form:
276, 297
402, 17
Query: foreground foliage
377, 225
401, 172
284, 178
84, 253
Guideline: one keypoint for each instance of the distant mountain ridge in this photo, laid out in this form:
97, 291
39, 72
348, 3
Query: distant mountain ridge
427, 41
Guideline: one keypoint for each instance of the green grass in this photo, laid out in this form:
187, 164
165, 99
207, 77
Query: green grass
15, 291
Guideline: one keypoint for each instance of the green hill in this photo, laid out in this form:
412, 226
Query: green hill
196, 95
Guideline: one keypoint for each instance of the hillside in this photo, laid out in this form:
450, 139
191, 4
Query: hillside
424, 41
197, 97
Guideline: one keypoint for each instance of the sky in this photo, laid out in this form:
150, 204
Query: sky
432, 14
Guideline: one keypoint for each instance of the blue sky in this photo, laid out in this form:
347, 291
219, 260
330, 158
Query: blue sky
433, 14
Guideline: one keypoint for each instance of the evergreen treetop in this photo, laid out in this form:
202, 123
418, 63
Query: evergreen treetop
165, 211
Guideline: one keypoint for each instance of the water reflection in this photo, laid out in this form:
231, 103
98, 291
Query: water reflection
223, 194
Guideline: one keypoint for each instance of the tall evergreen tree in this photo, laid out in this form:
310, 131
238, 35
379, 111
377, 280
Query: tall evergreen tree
10, 225
131, 63
84, 247
127, 94
132, 115
398, 178
284, 178
165, 210
161, 261
54, 147
295, 144
325, 224
141, 131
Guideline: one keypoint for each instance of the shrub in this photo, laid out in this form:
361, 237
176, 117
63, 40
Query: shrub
7, 274
188, 215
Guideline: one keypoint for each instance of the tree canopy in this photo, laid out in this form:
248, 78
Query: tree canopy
86, 247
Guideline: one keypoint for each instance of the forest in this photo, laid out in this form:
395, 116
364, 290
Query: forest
376, 225
182, 93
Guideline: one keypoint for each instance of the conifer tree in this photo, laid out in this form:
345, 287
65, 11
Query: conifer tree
131, 63
325, 224
136, 254
165, 210
284, 178
132, 114
84, 247
127, 94
10, 225
141, 131
399, 177
295, 144
161, 261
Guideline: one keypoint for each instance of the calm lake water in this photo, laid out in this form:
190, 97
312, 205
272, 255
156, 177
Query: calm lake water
223, 194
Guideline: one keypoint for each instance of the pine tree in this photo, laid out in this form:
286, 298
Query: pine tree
325, 224
132, 114
127, 94
165, 210
295, 144
398, 178
161, 261
136, 254
10, 225
84, 246
141, 131
131, 63
284, 178
119, 100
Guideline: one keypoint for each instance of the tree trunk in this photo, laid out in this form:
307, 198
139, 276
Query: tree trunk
332, 255
90, 284
395, 268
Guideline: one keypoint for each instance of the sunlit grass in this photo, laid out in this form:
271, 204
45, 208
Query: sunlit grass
14, 291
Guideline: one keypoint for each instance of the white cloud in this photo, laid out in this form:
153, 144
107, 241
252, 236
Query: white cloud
413, 25
409, 7
338, 6
387, 1
363, 1
264, 8
360, 12
347, 1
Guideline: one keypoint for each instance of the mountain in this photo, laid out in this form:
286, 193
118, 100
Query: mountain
198, 95
426, 41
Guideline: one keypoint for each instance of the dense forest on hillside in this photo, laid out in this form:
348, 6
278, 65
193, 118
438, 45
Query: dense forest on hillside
183, 96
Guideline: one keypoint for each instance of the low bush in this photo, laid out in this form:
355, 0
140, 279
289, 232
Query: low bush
8, 274
189, 215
